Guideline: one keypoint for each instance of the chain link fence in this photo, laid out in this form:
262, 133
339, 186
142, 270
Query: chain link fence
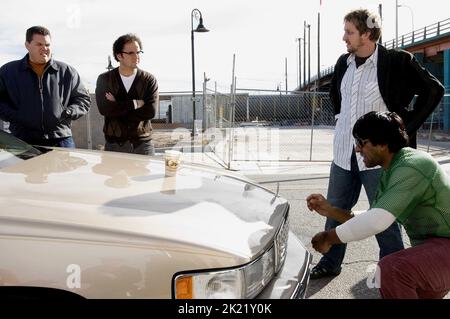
219, 125
279, 126
289, 126
434, 134
253, 125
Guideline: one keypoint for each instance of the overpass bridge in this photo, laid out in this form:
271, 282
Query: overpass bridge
430, 45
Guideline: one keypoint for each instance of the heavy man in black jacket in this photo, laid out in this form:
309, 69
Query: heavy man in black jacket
127, 97
370, 78
39, 96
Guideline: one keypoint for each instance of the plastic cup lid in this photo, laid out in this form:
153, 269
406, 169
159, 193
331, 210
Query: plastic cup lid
173, 153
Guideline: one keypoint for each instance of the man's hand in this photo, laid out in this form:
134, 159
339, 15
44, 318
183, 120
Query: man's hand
321, 242
66, 117
110, 97
140, 103
318, 203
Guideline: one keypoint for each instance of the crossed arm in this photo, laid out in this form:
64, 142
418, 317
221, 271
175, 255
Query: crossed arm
138, 110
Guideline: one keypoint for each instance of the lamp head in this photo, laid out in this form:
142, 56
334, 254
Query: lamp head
109, 67
201, 27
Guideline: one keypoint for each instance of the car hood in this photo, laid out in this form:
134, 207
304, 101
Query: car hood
116, 197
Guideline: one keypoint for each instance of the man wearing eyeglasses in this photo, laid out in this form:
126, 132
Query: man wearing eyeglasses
40, 96
413, 190
370, 78
127, 97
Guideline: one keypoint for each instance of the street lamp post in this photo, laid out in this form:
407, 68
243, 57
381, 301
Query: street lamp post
200, 28
412, 16
396, 21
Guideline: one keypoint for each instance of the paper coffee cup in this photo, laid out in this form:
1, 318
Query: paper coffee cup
172, 162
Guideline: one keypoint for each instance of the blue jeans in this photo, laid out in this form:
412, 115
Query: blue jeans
144, 148
66, 142
343, 192
56, 142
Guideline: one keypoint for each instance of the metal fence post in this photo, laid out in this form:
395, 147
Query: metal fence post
431, 131
214, 120
232, 100
89, 130
204, 124
313, 107
230, 129
248, 111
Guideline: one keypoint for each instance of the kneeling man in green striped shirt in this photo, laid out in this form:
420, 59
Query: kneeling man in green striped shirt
415, 191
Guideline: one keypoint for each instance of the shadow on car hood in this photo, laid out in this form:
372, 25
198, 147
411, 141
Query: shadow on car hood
128, 196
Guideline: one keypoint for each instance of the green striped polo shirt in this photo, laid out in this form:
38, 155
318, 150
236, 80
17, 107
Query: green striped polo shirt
416, 191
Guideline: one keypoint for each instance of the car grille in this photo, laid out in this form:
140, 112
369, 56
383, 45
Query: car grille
281, 242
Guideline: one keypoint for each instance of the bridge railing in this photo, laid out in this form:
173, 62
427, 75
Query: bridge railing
323, 73
430, 31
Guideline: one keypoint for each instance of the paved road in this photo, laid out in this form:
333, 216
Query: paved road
362, 256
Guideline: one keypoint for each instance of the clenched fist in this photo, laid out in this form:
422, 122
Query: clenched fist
321, 242
318, 203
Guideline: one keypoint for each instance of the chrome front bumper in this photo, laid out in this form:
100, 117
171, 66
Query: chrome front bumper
292, 280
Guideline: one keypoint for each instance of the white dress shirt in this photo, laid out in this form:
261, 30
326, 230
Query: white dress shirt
360, 95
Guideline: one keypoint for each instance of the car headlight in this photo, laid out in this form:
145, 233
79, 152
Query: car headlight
242, 282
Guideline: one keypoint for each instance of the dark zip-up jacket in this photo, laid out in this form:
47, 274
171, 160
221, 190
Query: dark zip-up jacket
400, 78
41, 108
122, 121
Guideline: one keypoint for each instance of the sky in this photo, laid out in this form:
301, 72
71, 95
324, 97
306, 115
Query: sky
261, 34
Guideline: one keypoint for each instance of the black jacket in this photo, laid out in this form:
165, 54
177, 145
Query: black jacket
400, 78
122, 121
41, 108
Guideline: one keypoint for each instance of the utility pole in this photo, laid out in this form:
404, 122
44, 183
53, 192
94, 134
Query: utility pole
309, 53
396, 23
297, 70
304, 53
299, 62
380, 12
285, 74
318, 51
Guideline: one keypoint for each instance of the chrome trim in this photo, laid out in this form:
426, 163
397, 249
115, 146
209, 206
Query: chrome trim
292, 280
283, 234
302, 285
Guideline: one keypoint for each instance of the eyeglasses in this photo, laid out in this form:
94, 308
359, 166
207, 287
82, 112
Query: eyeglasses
133, 53
359, 142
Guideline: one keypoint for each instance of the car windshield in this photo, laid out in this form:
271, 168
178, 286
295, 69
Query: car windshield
13, 150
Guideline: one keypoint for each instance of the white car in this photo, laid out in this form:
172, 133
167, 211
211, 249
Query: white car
97, 224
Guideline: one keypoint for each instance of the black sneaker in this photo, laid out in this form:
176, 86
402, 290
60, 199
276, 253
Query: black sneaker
318, 272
